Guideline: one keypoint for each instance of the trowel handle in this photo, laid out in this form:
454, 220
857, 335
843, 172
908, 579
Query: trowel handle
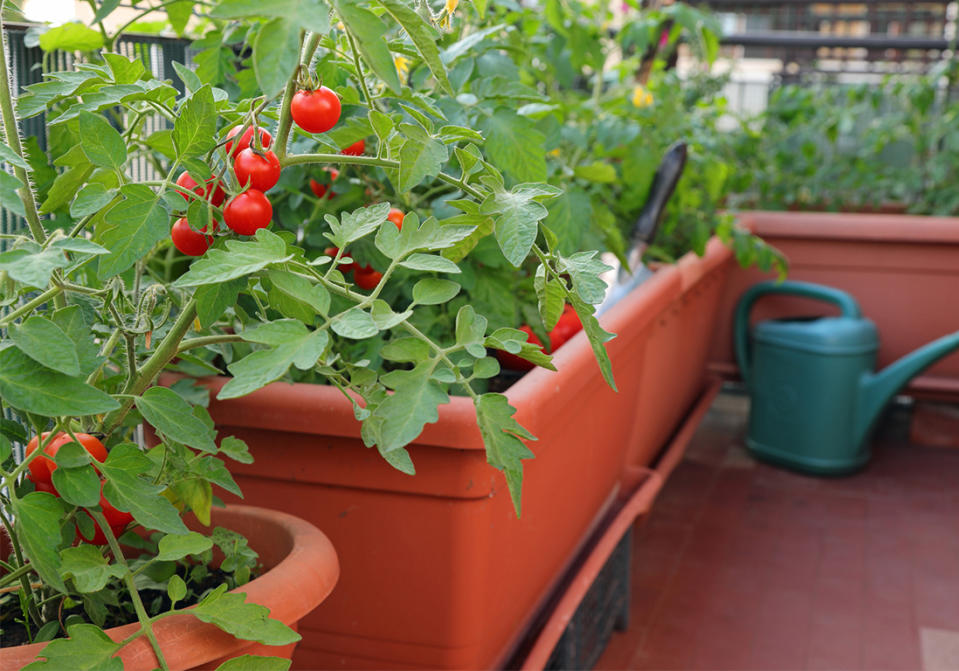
847, 305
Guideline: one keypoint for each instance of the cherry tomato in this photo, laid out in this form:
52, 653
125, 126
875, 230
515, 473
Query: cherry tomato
189, 184
188, 241
396, 216
365, 277
567, 327
260, 172
42, 468
355, 149
46, 487
248, 212
315, 111
320, 189
117, 519
513, 362
246, 139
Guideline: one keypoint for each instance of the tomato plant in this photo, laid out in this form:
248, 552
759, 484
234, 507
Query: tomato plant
258, 171
248, 212
366, 277
315, 111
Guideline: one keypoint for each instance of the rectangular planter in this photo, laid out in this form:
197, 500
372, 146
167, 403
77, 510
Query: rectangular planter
436, 570
903, 270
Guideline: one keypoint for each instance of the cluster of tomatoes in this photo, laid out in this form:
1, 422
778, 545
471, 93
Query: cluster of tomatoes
567, 326
41, 474
257, 170
364, 276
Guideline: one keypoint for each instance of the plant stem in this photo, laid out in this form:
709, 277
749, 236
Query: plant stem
142, 616
203, 341
359, 71
28, 307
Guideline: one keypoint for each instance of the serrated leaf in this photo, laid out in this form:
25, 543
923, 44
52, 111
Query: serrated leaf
515, 146
597, 338
37, 517
32, 388
131, 228
212, 300
276, 52
177, 546
166, 411
255, 663
90, 199
302, 349
236, 450
368, 31
570, 218
240, 258
502, 437
585, 270
430, 262
301, 289
33, 268
421, 157
550, 298
46, 343
517, 221
101, 142
73, 323
247, 621
424, 38
7, 155
71, 37
411, 406
406, 349
194, 131
434, 291
89, 569
127, 491
88, 648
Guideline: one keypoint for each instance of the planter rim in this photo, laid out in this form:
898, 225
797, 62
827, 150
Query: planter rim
852, 226
325, 410
293, 587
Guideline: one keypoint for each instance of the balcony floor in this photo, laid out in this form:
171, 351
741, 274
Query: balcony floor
745, 566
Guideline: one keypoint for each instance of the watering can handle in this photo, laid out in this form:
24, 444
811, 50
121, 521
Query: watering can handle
847, 305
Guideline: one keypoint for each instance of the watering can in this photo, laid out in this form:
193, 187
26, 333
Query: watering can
815, 393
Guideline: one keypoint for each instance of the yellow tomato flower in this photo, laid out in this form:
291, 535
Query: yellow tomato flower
642, 97
402, 65
447, 20
555, 152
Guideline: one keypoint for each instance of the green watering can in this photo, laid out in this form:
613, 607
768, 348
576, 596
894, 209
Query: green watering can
815, 395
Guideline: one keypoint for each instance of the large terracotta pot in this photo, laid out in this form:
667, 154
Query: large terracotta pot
903, 270
302, 569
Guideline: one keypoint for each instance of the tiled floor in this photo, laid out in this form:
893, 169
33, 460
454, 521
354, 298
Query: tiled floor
745, 566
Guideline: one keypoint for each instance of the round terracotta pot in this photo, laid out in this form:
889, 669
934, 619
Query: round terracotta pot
301, 570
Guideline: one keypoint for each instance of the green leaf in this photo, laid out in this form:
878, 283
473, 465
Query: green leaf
420, 157
236, 450
585, 270
597, 338
382, 125
91, 198
433, 291
240, 258
6, 449
602, 173
71, 37
406, 349
429, 236
131, 228
255, 663
424, 38
247, 621
9, 156
502, 437
87, 649
89, 569
179, 14
515, 146
517, 221
166, 411
293, 344
276, 52
570, 217
37, 518
194, 131
357, 224
9, 194
212, 300
411, 406
439, 264
177, 546
33, 268
45, 342
72, 322
66, 184
128, 491
311, 14
27, 386
175, 589
101, 142
368, 30
299, 288
79, 486
355, 324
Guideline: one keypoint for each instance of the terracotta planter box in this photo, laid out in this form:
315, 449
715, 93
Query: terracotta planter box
437, 570
903, 270
302, 570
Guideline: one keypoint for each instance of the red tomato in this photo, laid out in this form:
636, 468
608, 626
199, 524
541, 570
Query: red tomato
567, 326
355, 149
117, 519
42, 468
396, 216
320, 189
343, 267
187, 240
187, 183
365, 277
514, 362
46, 487
246, 139
315, 111
248, 212
260, 172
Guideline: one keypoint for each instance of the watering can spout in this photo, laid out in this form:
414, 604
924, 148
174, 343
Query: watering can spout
877, 389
